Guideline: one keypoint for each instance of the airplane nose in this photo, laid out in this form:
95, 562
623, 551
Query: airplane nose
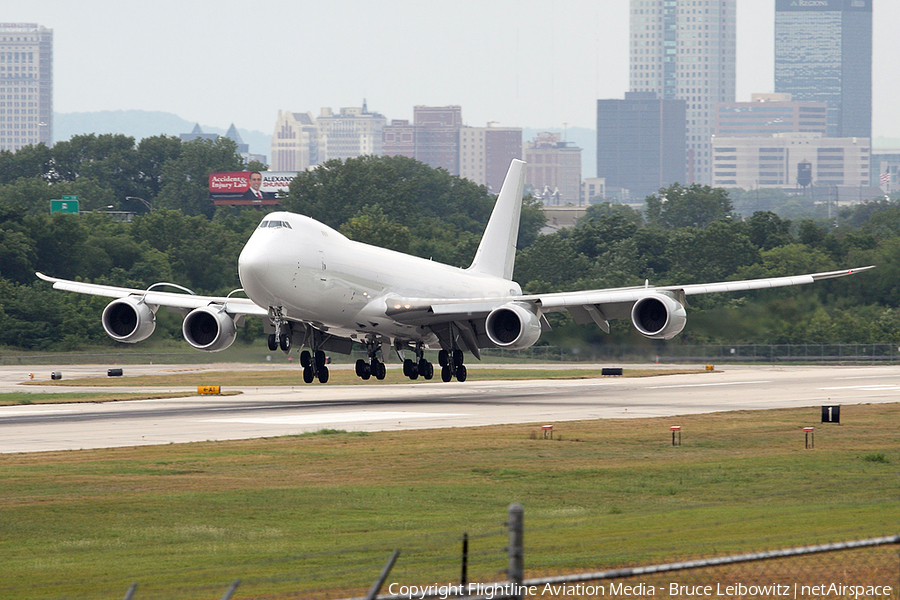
253, 264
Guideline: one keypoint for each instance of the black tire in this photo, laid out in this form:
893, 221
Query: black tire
379, 370
305, 359
457, 357
273, 345
323, 375
443, 358
320, 359
426, 369
446, 374
461, 373
285, 342
361, 368
308, 374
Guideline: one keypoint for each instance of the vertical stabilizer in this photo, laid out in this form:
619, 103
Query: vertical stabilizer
496, 253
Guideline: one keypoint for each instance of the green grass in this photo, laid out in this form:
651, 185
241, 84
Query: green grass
25, 398
318, 515
293, 376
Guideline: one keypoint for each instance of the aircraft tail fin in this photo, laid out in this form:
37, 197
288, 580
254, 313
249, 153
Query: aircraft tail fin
496, 254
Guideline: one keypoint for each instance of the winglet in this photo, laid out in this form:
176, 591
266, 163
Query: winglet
496, 253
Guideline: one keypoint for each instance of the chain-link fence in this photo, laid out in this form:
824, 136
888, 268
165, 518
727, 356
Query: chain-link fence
882, 353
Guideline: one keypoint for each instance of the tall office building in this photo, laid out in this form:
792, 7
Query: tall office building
26, 85
641, 143
823, 53
685, 50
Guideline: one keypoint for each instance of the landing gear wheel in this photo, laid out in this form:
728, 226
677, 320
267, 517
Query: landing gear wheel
378, 370
461, 373
285, 342
308, 374
273, 345
305, 359
320, 359
323, 375
443, 358
362, 369
446, 374
426, 369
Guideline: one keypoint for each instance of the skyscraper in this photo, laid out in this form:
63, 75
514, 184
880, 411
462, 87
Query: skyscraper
26, 85
641, 142
685, 50
823, 53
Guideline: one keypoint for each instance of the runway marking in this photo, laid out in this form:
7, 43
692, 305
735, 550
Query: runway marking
694, 385
343, 417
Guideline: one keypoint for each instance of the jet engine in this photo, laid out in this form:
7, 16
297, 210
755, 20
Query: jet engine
513, 326
209, 328
129, 320
658, 316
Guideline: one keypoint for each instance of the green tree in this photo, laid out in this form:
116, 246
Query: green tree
185, 180
371, 226
692, 206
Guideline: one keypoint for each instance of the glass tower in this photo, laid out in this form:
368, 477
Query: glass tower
685, 50
823, 53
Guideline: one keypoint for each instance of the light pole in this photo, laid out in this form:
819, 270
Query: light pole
144, 202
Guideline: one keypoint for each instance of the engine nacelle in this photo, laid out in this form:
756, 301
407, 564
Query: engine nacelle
658, 316
128, 320
513, 326
209, 329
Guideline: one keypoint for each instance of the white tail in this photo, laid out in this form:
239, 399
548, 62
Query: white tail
496, 253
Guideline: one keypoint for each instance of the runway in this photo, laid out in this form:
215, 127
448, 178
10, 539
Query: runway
277, 411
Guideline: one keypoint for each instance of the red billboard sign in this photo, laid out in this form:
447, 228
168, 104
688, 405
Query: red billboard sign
249, 187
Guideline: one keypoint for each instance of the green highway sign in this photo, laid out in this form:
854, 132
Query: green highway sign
68, 204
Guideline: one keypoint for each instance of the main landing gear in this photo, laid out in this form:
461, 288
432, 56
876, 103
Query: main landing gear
365, 370
419, 366
313, 364
451, 362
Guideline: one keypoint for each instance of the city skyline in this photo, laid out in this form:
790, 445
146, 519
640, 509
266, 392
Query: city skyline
523, 64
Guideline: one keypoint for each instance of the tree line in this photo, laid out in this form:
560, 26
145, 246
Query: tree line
684, 234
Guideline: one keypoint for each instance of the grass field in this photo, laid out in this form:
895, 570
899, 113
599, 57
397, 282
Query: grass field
292, 377
318, 515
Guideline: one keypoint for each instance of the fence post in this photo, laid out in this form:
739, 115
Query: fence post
376, 587
516, 571
464, 576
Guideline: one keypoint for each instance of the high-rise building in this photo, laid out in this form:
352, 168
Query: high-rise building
767, 114
485, 153
26, 85
349, 133
759, 162
295, 142
823, 53
685, 50
641, 143
437, 136
553, 168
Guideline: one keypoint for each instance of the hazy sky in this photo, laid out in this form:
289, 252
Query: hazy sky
524, 63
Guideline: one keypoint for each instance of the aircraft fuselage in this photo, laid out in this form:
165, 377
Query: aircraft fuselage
317, 275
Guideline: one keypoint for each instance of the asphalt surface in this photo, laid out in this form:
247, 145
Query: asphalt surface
275, 411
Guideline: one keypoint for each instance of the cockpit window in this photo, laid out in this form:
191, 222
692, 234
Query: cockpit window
265, 224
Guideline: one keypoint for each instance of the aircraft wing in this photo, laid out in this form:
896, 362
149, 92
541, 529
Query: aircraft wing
233, 306
587, 306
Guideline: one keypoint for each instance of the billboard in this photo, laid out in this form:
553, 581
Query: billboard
247, 188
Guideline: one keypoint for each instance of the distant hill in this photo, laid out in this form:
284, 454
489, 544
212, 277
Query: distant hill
140, 124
